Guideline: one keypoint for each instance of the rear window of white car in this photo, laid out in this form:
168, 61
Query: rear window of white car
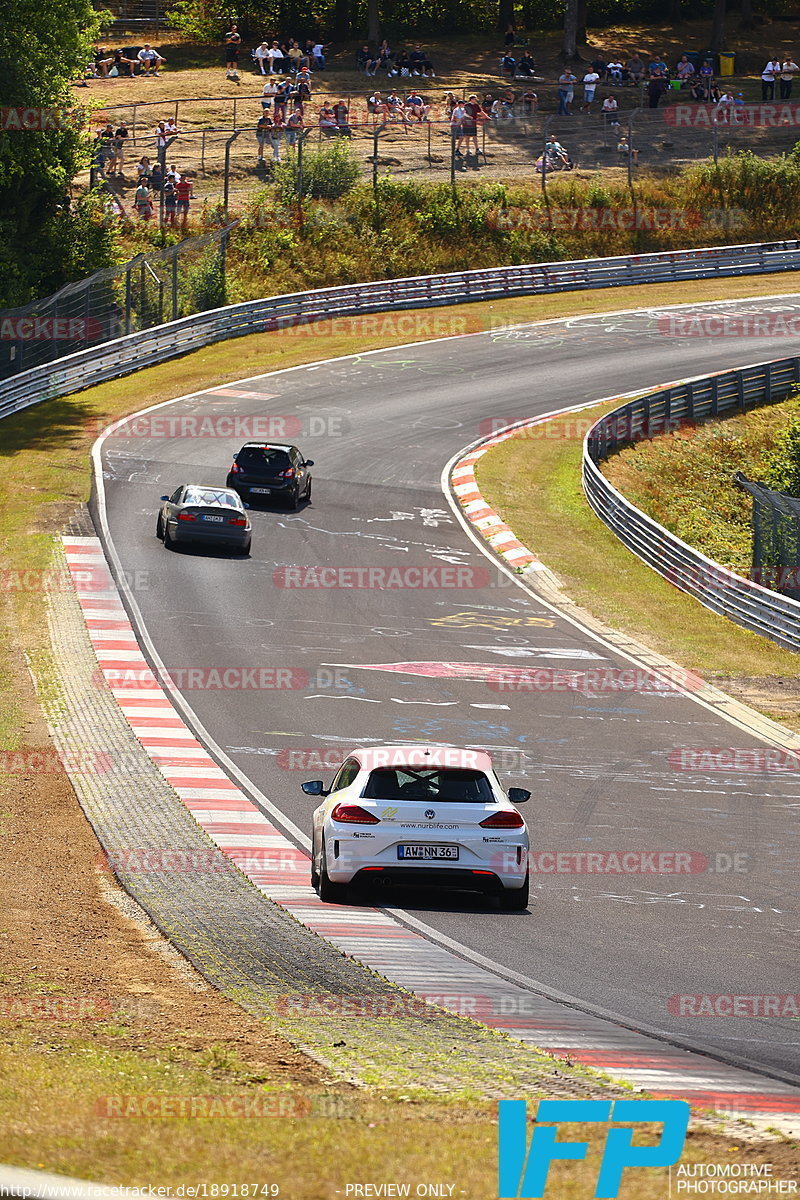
434, 783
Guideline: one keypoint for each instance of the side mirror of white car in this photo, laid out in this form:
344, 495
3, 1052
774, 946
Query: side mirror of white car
314, 787
518, 795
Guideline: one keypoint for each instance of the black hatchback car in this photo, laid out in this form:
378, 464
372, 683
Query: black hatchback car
271, 469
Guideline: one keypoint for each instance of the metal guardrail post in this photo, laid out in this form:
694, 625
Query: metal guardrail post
228, 145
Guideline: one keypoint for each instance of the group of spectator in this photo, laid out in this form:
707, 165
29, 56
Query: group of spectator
288, 57
161, 186
403, 63
109, 64
781, 71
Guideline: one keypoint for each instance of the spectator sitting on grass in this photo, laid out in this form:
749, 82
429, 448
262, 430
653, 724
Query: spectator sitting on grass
122, 63
684, 71
276, 60
600, 64
385, 57
102, 61
508, 65
150, 59
635, 68
420, 63
402, 64
530, 103
143, 169
657, 67
366, 61
449, 103
526, 66
262, 57
614, 72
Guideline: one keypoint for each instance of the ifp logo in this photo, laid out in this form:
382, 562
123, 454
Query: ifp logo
522, 1170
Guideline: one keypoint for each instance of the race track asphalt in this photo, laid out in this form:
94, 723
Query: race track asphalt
380, 428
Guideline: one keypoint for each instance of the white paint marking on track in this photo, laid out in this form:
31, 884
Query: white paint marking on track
412, 959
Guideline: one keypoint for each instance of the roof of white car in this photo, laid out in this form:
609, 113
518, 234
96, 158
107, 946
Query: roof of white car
418, 755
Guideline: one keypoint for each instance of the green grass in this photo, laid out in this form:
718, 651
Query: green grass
535, 485
684, 480
50, 1079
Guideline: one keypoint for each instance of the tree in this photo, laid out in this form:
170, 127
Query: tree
373, 22
718, 26
569, 48
45, 241
505, 15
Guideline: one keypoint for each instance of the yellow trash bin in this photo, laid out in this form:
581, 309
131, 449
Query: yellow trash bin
726, 62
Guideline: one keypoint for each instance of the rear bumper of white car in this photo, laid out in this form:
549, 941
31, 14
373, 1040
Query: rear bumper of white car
488, 866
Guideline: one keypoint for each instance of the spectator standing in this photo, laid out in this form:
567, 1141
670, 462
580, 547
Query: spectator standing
656, 87
275, 135
318, 55
161, 141
150, 59
183, 192
142, 202
770, 73
157, 177
282, 98
566, 92
294, 123
120, 137
268, 94
590, 82
170, 202
789, 69
473, 114
233, 41
171, 127
457, 119
263, 130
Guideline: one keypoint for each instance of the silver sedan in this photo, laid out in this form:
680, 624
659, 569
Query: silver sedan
197, 513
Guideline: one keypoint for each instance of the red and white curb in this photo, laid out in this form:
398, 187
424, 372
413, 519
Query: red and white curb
373, 937
489, 524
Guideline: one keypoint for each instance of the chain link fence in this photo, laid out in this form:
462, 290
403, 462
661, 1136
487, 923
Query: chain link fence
226, 163
776, 538
150, 289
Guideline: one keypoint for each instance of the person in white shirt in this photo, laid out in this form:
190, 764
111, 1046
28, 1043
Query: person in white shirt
275, 59
262, 56
318, 54
150, 59
268, 93
723, 108
789, 69
590, 82
610, 108
457, 119
614, 72
768, 76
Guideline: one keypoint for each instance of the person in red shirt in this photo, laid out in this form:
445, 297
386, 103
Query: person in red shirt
183, 192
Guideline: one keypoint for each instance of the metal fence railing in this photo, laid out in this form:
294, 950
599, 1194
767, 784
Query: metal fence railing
741, 600
150, 289
147, 347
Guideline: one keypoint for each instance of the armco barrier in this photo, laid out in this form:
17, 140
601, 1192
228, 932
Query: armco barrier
163, 342
741, 600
